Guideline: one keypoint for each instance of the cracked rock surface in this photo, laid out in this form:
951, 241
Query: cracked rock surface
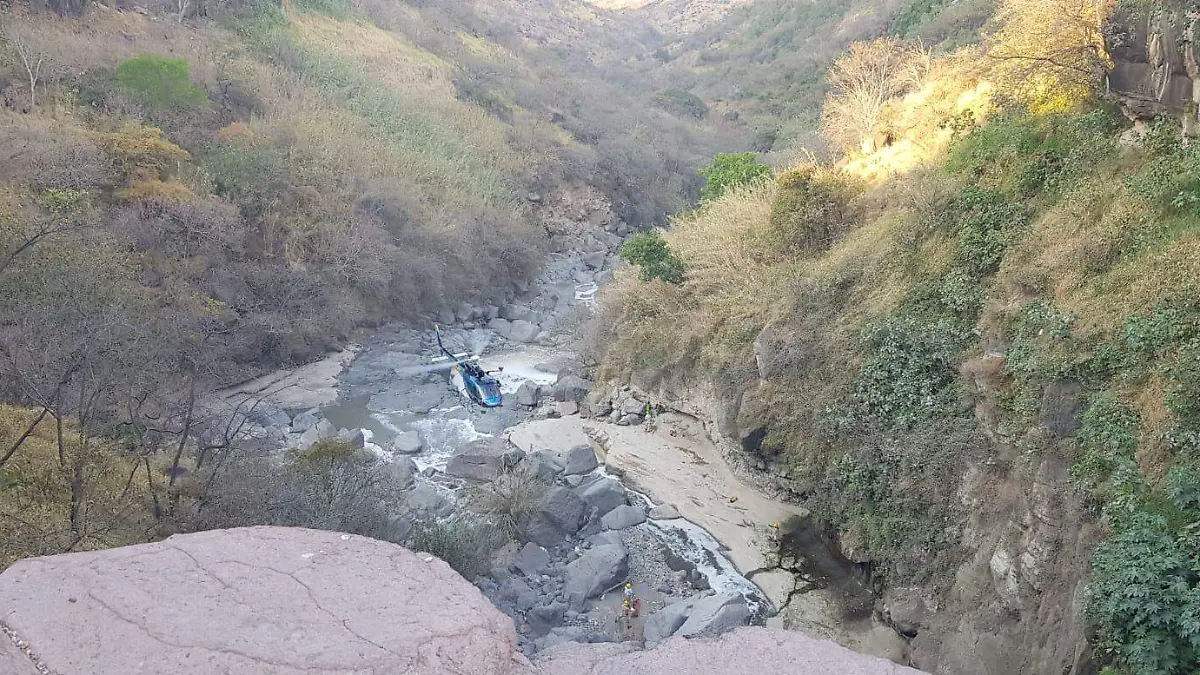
285, 601
253, 601
746, 651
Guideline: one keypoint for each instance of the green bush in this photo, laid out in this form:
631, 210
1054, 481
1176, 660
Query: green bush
159, 83
1022, 155
988, 224
1170, 178
466, 544
730, 170
909, 369
653, 258
1040, 346
1108, 438
1147, 335
868, 492
915, 13
682, 103
1145, 596
245, 173
1183, 398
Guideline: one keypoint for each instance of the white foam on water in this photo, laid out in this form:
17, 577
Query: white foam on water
441, 437
386, 422
520, 366
696, 545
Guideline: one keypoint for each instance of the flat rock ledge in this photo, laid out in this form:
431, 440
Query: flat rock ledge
287, 601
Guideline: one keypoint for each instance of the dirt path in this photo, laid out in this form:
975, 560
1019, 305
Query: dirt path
675, 463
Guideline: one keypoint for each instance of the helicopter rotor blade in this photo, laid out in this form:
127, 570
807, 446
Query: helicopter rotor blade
425, 368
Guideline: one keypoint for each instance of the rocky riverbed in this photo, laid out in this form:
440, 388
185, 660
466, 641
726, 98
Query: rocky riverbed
598, 488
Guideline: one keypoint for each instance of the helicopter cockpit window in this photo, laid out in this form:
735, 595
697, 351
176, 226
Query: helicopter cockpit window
490, 388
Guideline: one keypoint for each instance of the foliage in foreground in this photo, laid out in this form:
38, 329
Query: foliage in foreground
732, 170
653, 258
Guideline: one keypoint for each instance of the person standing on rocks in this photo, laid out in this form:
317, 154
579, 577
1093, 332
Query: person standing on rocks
625, 621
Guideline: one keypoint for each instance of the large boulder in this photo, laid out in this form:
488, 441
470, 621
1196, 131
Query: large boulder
715, 614
596, 571
402, 471
571, 388
271, 418
663, 623
1154, 61
523, 331
632, 406
480, 460
602, 496
517, 313
426, 502
528, 393
501, 326
555, 517
406, 443
544, 618
356, 437
321, 430
580, 459
623, 517
543, 466
531, 559
699, 617
306, 420
745, 651
249, 601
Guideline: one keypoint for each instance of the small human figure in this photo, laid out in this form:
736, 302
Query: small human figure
625, 620
633, 602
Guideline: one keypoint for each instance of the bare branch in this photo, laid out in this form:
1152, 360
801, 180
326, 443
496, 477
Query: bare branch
21, 440
31, 57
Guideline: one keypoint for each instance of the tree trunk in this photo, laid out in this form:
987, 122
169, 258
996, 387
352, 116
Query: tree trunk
28, 431
150, 485
77, 496
62, 441
172, 496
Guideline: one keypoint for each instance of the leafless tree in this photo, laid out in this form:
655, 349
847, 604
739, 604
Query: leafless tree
31, 57
863, 81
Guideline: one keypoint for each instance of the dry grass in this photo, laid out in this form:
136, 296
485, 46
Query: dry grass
35, 493
918, 123
1154, 454
384, 56
105, 38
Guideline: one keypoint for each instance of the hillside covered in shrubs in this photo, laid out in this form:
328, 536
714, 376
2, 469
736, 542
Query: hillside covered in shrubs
194, 193
970, 345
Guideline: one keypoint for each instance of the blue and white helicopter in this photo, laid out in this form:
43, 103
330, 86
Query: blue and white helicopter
479, 384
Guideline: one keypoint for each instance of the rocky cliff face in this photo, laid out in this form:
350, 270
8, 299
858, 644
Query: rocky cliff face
1013, 605
1157, 62
284, 600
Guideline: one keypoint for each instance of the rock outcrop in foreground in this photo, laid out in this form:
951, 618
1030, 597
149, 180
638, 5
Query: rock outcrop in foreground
281, 601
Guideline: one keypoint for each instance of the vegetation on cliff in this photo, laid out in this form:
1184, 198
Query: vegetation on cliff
993, 283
